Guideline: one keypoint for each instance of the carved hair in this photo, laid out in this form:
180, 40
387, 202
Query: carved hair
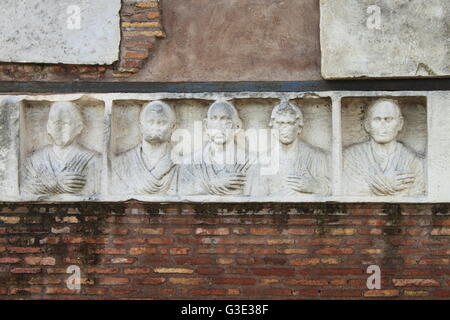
285, 107
378, 101
234, 113
373, 104
69, 106
160, 108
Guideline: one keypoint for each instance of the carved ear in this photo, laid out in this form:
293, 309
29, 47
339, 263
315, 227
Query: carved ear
80, 128
366, 125
400, 124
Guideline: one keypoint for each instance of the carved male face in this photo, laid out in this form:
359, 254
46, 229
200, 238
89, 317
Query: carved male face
221, 123
384, 121
157, 122
287, 120
64, 123
288, 127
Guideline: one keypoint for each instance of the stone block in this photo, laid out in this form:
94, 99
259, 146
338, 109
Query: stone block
385, 38
63, 31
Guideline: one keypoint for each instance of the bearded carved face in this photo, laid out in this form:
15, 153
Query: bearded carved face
64, 124
220, 125
156, 126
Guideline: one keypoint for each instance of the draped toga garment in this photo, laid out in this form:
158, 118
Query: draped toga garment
197, 177
307, 161
42, 168
133, 175
361, 162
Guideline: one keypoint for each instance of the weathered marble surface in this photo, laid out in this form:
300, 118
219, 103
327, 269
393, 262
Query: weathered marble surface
165, 147
385, 38
63, 31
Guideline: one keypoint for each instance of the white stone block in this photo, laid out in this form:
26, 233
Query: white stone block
62, 31
385, 38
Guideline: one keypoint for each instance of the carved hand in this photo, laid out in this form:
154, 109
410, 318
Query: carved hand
392, 184
226, 183
242, 167
303, 184
71, 182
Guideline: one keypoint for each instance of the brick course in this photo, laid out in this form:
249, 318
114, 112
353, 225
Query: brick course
137, 250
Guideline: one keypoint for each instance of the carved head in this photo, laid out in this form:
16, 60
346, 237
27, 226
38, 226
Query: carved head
383, 120
287, 119
222, 122
64, 123
157, 122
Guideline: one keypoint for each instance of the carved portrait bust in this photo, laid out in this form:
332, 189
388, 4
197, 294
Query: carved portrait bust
217, 173
148, 167
302, 168
65, 166
383, 166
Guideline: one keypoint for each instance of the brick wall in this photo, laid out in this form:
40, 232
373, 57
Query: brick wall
284, 251
140, 27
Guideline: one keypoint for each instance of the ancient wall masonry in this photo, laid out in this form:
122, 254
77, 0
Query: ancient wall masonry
226, 147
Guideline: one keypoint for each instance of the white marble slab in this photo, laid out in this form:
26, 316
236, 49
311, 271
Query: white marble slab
63, 31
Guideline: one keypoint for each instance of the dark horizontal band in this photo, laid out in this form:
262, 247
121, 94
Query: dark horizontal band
251, 86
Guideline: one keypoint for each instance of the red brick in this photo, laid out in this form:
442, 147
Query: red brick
303, 282
60, 291
208, 292
96, 291
442, 293
24, 291
123, 260
111, 251
209, 271
264, 231
116, 231
26, 270
301, 231
134, 54
40, 261
441, 262
142, 250
234, 281
415, 283
381, 293
160, 241
335, 251
102, 270
186, 281
193, 261
212, 232
112, 281
24, 250
179, 251
9, 260
273, 271
153, 281
150, 231
137, 270
340, 293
